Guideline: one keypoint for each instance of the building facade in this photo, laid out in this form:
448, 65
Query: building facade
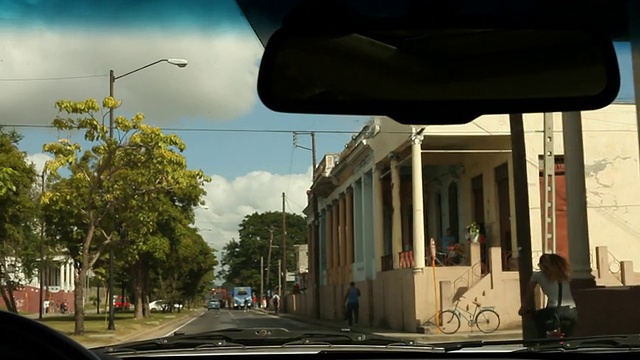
396, 187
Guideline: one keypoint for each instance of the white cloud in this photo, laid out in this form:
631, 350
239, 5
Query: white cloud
39, 160
228, 201
218, 84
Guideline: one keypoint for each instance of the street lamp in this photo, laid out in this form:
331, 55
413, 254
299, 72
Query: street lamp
112, 79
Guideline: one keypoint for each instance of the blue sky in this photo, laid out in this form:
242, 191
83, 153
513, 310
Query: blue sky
73, 38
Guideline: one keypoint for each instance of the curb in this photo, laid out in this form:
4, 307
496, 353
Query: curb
172, 323
410, 336
162, 328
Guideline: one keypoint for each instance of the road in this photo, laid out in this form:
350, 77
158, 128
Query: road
224, 319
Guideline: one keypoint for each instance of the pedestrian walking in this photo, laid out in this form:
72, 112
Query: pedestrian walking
351, 299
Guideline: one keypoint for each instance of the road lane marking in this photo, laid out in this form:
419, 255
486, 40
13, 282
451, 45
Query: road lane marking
185, 324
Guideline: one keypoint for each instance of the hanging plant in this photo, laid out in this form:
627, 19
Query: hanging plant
473, 232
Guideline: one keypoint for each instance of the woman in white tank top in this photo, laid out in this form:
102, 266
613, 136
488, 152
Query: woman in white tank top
554, 270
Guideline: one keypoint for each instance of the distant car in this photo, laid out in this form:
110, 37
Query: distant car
120, 305
214, 305
161, 305
157, 305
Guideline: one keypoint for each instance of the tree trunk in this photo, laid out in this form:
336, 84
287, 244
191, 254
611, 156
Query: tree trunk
137, 290
7, 290
9, 299
78, 294
145, 290
12, 298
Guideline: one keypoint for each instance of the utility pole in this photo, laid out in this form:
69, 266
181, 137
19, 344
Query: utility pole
284, 250
271, 230
313, 152
523, 223
261, 278
549, 171
316, 231
312, 149
111, 325
41, 307
280, 280
314, 242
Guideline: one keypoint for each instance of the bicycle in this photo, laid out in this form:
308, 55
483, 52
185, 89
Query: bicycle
482, 315
555, 332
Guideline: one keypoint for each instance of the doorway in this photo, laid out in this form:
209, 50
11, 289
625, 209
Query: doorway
562, 242
504, 214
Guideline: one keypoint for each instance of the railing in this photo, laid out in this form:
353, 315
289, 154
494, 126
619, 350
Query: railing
469, 278
406, 259
387, 262
506, 261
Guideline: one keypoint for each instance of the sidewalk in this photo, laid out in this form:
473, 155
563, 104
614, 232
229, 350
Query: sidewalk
513, 334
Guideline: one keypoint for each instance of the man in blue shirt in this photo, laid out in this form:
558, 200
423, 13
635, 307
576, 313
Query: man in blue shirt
353, 305
448, 240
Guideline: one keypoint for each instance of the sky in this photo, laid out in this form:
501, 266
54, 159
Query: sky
64, 49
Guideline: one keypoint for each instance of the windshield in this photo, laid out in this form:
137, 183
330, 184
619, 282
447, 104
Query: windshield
136, 155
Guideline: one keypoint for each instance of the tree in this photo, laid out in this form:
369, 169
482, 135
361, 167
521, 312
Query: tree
149, 225
81, 208
187, 270
242, 258
18, 214
148, 253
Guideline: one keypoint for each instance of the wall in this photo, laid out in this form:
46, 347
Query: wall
611, 170
28, 299
612, 177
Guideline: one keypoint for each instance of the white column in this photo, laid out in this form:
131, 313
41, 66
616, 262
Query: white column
634, 27
418, 201
61, 275
72, 275
378, 219
577, 226
396, 227
65, 275
69, 270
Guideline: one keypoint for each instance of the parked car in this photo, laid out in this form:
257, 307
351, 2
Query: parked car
162, 305
157, 305
120, 305
214, 305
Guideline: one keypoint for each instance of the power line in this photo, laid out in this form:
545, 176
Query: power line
274, 131
52, 78
330, 132
283, 131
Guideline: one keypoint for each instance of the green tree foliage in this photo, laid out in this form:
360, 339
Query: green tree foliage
113, 181
242, 258
18, 218
173, 258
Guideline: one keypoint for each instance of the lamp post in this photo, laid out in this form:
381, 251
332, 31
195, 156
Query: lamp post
112, 79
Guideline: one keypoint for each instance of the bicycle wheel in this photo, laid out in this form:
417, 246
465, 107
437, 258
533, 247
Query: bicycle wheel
449, 322
487, 321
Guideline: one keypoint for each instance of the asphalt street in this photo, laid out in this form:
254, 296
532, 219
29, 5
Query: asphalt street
225, 319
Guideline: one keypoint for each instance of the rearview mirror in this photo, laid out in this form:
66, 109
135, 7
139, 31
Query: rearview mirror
437, 76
